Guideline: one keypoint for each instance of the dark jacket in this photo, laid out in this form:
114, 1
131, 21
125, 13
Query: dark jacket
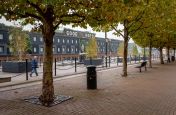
34, 64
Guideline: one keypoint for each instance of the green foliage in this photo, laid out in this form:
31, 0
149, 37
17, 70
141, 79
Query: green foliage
134, 50
19, 42
91, 48
120, 49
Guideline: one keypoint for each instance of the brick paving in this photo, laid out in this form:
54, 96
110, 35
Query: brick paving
151, 92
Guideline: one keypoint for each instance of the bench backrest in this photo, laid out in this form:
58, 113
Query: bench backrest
143, 63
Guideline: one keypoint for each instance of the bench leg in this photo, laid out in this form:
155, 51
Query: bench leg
140, 69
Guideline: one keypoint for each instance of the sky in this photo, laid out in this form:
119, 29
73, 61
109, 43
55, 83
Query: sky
98, 34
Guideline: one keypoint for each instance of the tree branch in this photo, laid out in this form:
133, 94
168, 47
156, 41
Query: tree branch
36, 7
117, 31
138, 17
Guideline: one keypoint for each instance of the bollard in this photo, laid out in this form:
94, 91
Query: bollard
135, 59
117, 60
26, 69
106, 62
109, 61
75, 65
91, 77
55, 67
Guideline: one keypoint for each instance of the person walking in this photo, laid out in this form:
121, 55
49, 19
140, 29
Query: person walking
34, 64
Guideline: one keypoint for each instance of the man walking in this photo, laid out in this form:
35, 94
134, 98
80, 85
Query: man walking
34, 64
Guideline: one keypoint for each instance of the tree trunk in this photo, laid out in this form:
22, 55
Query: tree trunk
47, 96
168, 55
125, 50
150, 54
144, 57
161, 55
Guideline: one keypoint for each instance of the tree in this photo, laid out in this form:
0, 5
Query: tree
19, 42
134, 50
120, 49
46, 16
91, 48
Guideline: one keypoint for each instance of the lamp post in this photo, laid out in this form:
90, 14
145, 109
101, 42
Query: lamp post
106, 48
144, 58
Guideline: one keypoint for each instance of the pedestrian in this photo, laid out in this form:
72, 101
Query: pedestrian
34, 64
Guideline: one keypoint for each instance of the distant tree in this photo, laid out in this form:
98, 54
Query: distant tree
91, 48
19, 43
134, 50
120, 49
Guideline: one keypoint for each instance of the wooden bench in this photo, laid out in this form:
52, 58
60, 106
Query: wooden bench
143, 64
5, 79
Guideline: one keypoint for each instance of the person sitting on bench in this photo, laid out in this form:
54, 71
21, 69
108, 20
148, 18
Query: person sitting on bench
143, 64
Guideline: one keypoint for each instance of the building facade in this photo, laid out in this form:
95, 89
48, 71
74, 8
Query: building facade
67, 41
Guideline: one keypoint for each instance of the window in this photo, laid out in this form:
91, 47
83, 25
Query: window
1, 49
76, 50
41, 49
34, 38
53, 49
58, 40
53, 39
58, 49
68, 49
72, 49
41, 39
76, 41
63, 49
72, 41
68, 41
63, 41
1, 36
35, 49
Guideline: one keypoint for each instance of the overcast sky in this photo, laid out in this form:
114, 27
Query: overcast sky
98, 34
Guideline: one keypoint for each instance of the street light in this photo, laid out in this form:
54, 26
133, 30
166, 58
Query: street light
106, 53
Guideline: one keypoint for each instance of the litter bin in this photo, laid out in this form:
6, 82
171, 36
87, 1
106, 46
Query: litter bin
173, 58
91, 77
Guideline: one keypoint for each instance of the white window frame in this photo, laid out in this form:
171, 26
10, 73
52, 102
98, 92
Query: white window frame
58, 49
68, 41
35, 49
1, 49
41, 49
34, 39
41, 39
1, 36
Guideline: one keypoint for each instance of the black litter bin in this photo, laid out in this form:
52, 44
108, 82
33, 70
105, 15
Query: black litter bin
173, 58
91, 77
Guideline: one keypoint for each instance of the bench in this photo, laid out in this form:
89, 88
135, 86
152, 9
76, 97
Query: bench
5, 79
143, 64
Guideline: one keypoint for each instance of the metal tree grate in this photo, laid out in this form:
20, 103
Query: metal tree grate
57, 100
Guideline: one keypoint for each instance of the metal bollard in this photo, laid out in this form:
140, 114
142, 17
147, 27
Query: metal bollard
75, 65
26, 69
109, 61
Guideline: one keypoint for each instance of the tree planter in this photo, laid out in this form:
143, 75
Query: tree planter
15, 67
95, 62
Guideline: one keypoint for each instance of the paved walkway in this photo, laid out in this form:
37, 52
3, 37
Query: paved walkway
148, 93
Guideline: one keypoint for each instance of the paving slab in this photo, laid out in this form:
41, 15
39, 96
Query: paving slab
152, 92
